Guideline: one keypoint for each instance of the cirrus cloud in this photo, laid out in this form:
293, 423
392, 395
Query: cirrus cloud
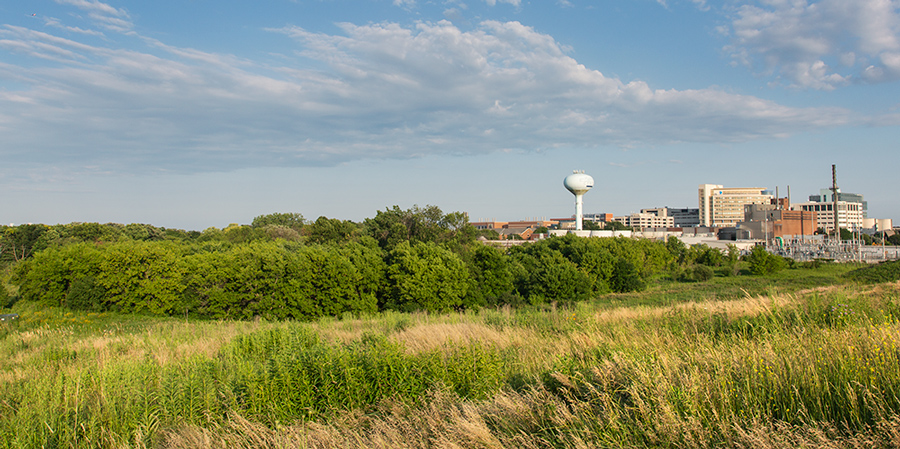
370, 91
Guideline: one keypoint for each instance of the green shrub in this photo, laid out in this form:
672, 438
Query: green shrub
426, 276
86, 294
763, 262
626, 278
882, 272
703, 273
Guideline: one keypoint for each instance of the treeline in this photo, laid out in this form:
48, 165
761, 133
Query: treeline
282, 266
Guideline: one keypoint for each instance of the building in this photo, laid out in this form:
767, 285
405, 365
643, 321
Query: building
766, 221
599, 218
825, 196
683, 218
850, 215
481, 225
497, 225
873, 225
724, 206
643, 220
531, 224
520, 233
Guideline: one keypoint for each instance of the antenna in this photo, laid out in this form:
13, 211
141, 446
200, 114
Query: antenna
578, 183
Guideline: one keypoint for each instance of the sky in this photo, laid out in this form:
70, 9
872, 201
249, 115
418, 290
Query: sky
197, 113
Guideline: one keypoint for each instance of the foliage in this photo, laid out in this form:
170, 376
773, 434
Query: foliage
882, 272
677, 249
626, 277
393, 226
142, 277
425, 276
710, 257
703, 273
18, 242
330, 231
763, 262
547, 275
813, 369
616, 226
291, 220
46, 277
590, 226
492, 276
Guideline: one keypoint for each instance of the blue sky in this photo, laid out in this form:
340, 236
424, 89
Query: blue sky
195, 113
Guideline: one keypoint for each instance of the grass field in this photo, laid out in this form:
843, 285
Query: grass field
799, 359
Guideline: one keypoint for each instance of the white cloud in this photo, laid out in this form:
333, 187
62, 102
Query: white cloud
820, 45
104, 15
378, 91
515, 3
50, 21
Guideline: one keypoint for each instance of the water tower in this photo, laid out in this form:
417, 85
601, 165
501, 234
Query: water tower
578, 183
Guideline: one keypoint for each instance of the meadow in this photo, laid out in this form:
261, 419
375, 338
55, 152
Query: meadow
800, 358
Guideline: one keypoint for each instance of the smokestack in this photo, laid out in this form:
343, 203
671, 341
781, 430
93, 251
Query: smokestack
834, 201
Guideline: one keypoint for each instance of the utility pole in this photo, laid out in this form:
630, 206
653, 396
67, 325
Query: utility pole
834, 200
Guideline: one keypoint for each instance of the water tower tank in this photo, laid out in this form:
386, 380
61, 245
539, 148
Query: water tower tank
578, 183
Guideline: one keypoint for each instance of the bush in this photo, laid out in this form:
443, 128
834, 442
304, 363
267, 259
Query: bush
626, 278
703, 273
86, 294
763, 262
426, 276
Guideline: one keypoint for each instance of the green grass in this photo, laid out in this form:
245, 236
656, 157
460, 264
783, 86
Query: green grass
798, 358
664, 291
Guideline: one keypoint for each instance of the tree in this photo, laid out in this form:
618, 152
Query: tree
616, 226
48, 275
291, 220
763, 262
143, 276
711, 257
236, 233
626, 277
92, 232
138, 231
18, 242
330, 230
426, 277
4, 296
328, 283
492, 276
276, 232
428, 224
894, 239
677, 249
590, 226
547, 275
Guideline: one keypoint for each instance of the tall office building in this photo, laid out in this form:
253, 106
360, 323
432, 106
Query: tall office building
850, 214
825, 196
724, 206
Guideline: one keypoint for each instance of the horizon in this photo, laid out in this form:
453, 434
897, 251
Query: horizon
191, 115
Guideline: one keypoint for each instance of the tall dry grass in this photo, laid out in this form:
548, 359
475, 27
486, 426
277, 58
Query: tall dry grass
819, 368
